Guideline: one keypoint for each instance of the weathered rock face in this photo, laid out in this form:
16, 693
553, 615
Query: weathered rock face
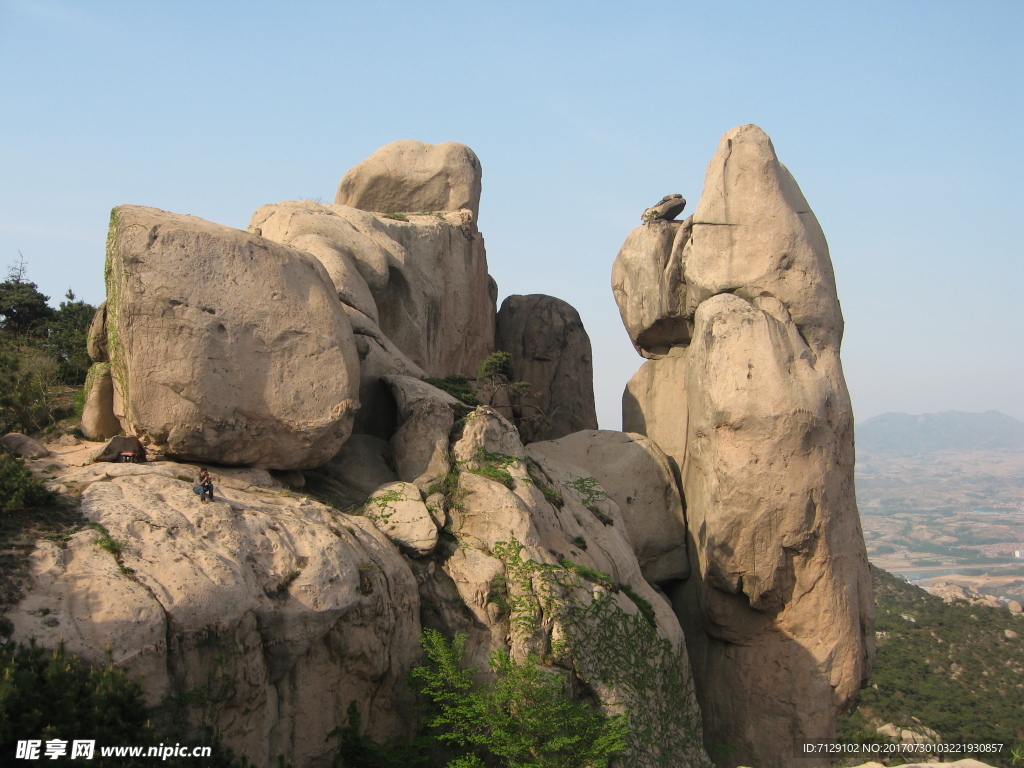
755, 415
768, 480
654, 404
423, 281
304, 609
399, 511
550, 349
378, 357
420, 444
545, 556
98, 419
638, 477
307, 609
437, 306
648, 285
754, 234
96, 342
23, 446
224, 346
410, 176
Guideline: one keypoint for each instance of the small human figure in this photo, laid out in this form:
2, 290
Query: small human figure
205, 486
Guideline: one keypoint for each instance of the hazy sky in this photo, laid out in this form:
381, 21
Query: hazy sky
901, 121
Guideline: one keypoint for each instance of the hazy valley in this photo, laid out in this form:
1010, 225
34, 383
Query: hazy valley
941, 498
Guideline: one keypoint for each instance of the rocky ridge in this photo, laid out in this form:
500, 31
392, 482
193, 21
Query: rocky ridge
290, 359
737, 310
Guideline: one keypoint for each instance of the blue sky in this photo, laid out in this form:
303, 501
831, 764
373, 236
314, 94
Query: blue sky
901, 122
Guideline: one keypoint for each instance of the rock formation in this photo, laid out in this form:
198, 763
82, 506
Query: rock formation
649, 288
306, 608
638, 477
754, 412
220, 343
302, 345
410, 176
420, 279
249, 348
303, 609
665, 209
23, 446
550, 350
98, 419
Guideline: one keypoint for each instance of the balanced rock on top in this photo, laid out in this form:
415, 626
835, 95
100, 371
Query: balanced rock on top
411, 176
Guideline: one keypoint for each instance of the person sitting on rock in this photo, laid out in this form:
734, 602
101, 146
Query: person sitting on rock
205, 486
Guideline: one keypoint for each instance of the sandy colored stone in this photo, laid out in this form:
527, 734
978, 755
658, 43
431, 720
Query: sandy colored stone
637, 476
411, 176
96, 340
399, 511
754, 234
437, 306
755, 415
549, 348
420, 445
378, 357
1015, 607
649, 289
23, 446
98, 419
654, 404
426, 276
768, 482
303, 608
491, 516
224, 346
337, 235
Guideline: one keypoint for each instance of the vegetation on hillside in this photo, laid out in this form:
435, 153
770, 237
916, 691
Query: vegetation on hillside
43, 355
957, 669
51, 695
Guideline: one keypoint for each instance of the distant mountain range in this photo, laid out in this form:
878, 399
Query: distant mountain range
903, 433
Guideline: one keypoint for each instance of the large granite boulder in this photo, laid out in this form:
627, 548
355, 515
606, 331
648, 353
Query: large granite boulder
648, 285
226, 347
654, 404
23, 446
754, 234
549, 348
262, 614
96, 339
638, 477
754, 413
411, 176
544, 564
420, 279
768, 481
438, 306
98, 419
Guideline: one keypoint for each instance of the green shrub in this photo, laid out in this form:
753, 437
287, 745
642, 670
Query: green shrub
495, 364
458, 386
525, 719
19, 488
48, 695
